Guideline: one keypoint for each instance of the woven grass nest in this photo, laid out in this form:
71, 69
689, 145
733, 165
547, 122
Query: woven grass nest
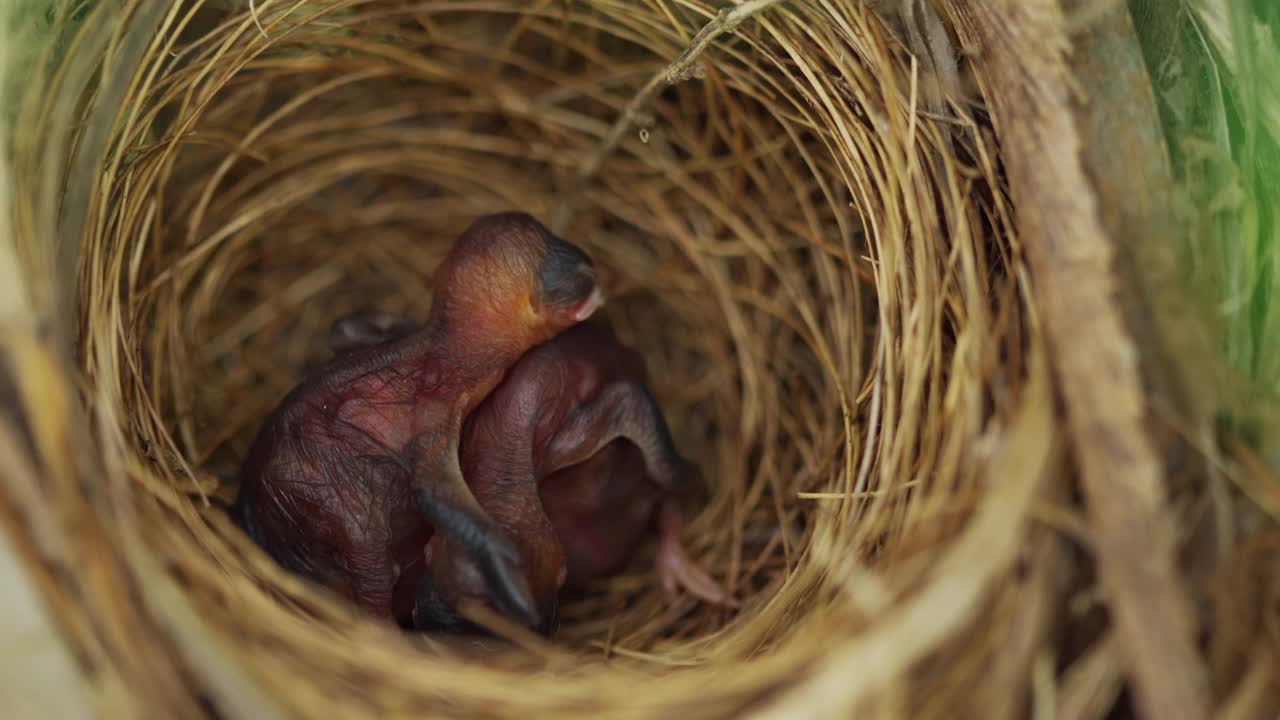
834, 229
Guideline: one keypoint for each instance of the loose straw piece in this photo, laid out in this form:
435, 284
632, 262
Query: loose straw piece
680, 69
828, 286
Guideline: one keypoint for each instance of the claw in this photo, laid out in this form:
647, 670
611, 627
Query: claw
430, 612
500, 564
459, 519
675, 567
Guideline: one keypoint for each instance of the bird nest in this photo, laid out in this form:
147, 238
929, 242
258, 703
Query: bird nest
802, 221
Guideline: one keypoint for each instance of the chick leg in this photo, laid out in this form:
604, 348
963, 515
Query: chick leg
443, 497
676, 568
442, 493
431, 613
629, 411
623, 410
361, 329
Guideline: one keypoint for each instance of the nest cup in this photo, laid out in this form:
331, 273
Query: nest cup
812, 250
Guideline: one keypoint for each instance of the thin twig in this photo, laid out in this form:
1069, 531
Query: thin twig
682, 68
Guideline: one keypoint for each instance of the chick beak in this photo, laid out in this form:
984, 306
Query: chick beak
589, 306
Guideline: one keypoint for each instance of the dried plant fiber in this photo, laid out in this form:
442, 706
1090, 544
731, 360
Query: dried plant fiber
858, 244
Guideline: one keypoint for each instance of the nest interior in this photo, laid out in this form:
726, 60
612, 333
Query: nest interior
814, 252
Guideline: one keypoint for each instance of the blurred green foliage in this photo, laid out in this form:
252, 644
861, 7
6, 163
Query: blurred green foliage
1215, 66
34, 35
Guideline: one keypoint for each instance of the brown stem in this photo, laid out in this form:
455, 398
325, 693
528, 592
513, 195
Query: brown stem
1071, 236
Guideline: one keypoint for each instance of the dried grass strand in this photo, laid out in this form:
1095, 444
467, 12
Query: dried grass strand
819, 258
